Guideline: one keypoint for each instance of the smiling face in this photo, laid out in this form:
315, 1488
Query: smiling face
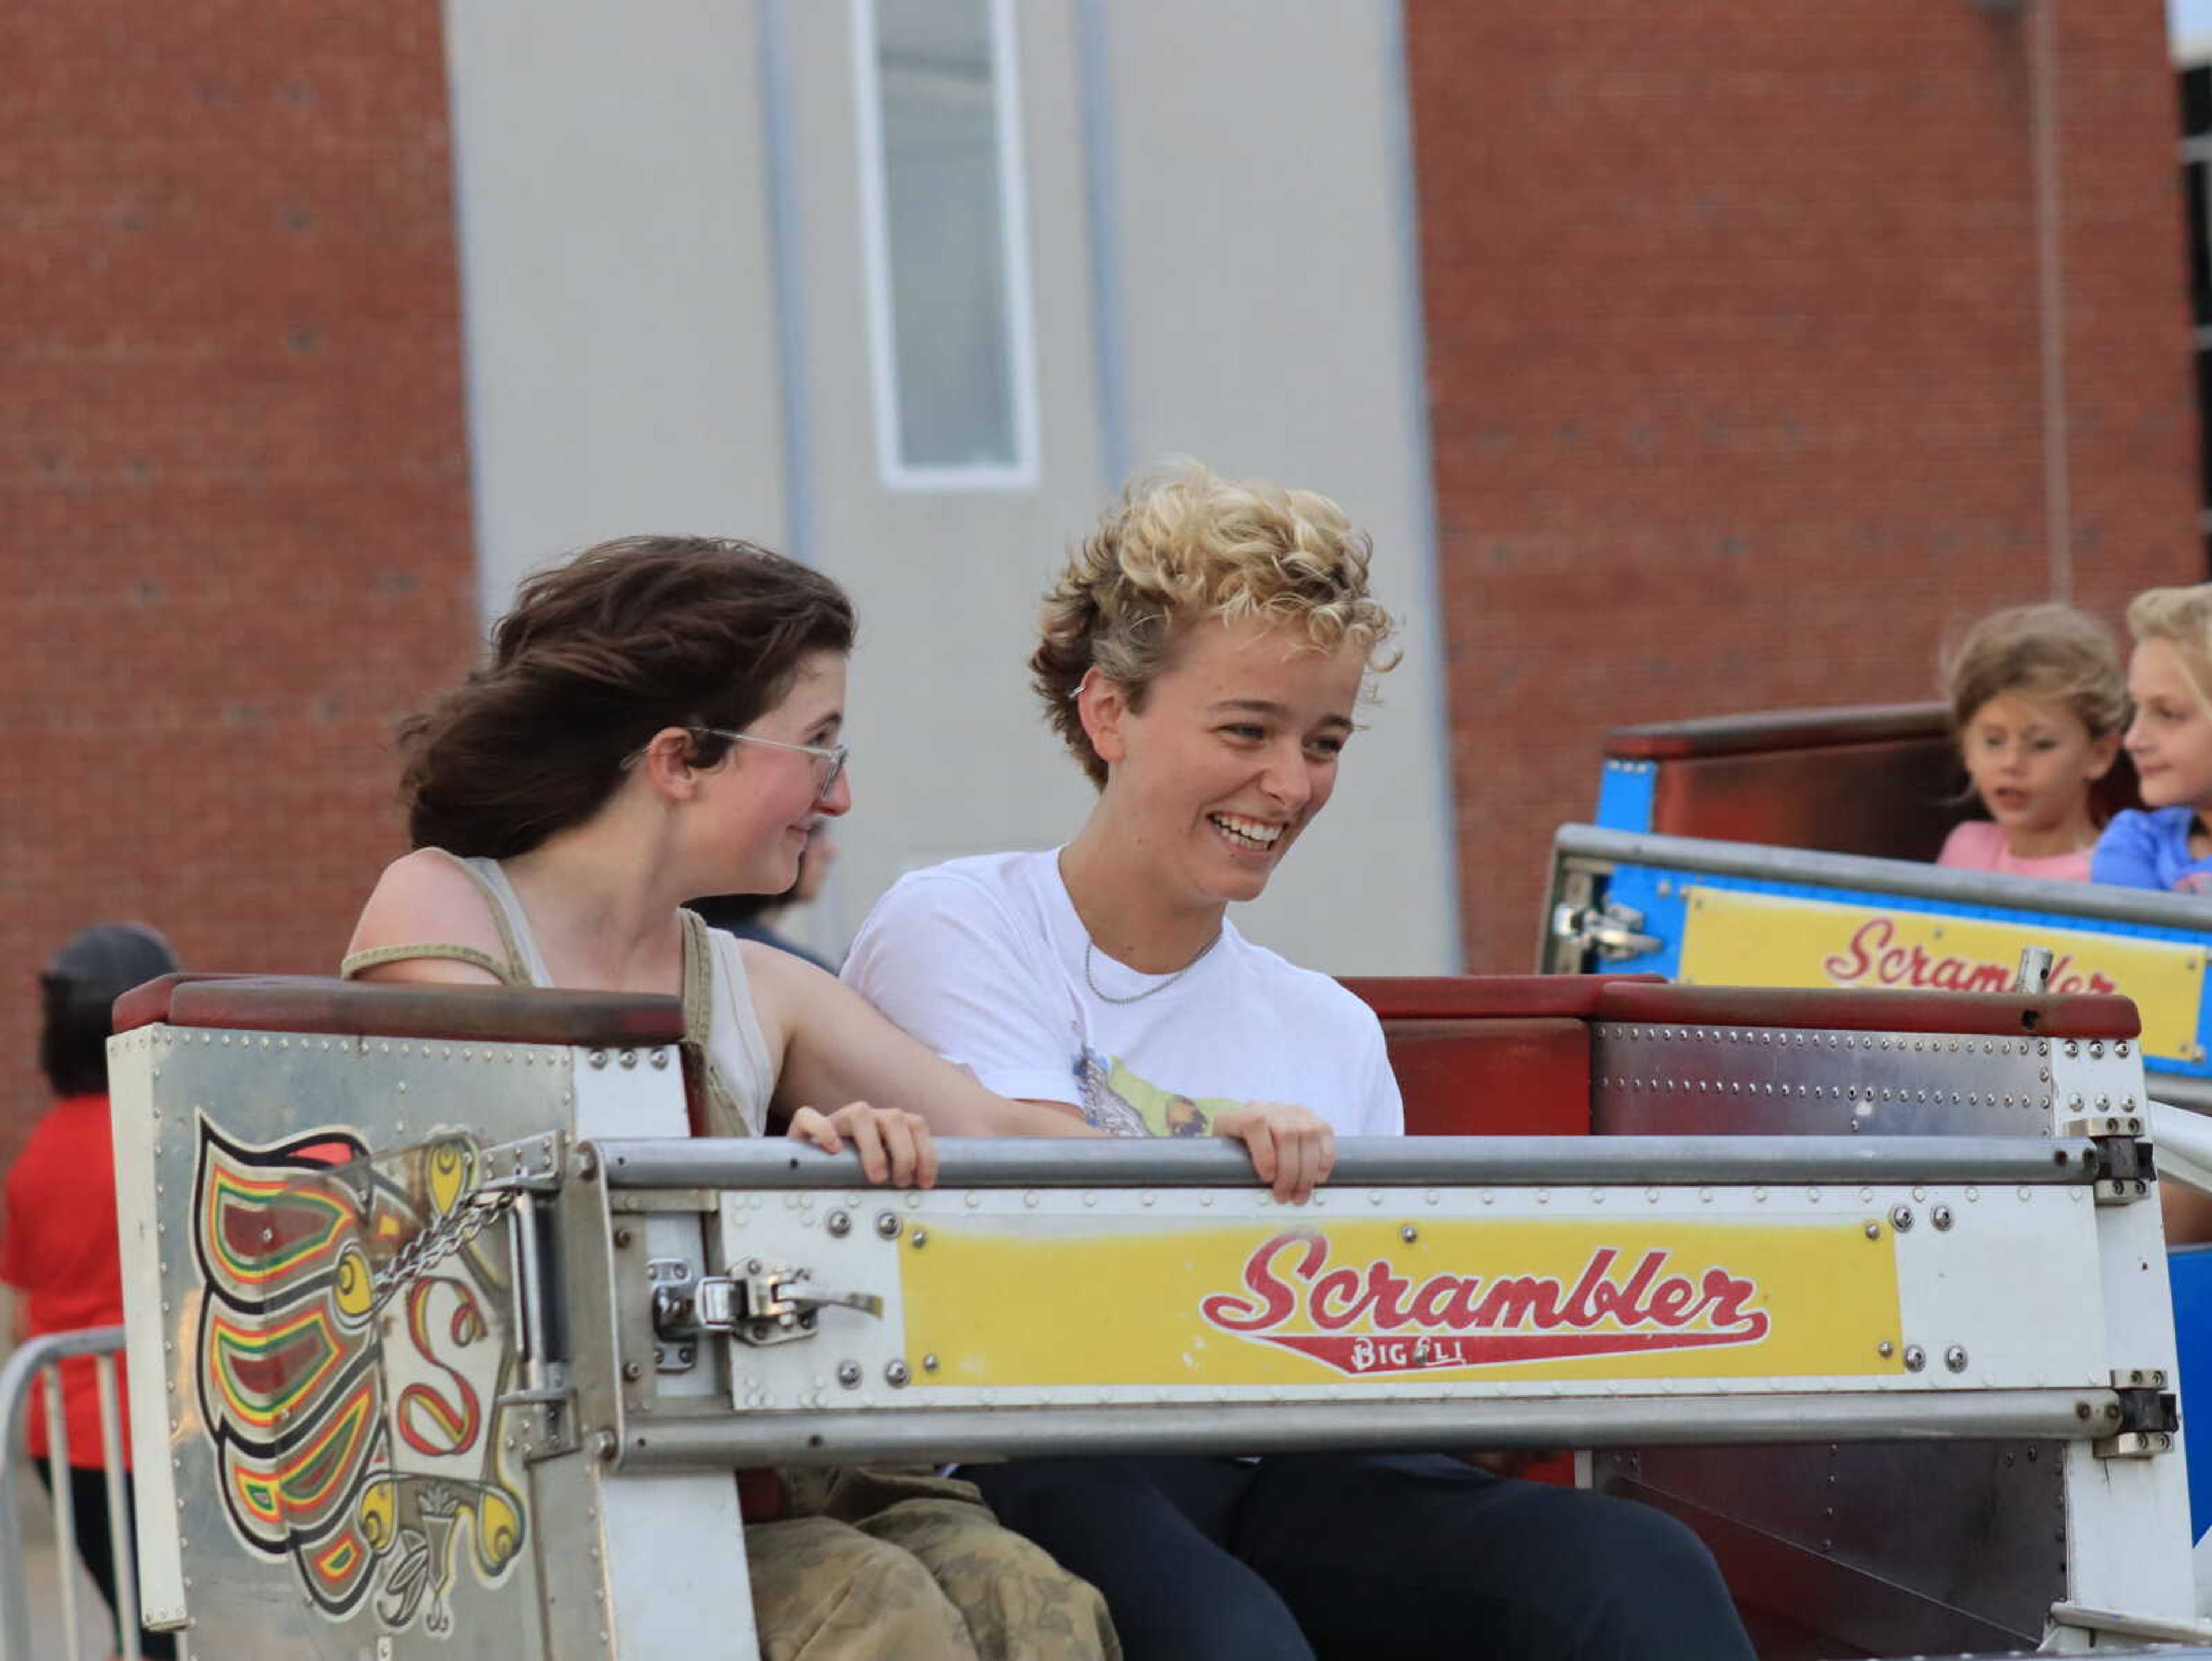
2032, 760
2170, 739
1232, 753
761, 801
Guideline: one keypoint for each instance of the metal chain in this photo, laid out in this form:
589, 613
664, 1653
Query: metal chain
429, 1247
1090, 950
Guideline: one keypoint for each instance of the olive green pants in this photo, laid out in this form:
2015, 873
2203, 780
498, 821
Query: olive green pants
909, 1566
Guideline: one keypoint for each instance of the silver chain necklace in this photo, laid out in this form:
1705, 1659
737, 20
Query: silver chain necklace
1090, 949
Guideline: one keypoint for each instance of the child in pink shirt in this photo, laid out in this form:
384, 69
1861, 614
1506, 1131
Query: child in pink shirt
2038, 704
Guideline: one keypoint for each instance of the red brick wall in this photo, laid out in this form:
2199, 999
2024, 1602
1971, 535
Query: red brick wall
236, 539
1733, 357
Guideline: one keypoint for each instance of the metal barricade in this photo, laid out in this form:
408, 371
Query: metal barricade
36, 1365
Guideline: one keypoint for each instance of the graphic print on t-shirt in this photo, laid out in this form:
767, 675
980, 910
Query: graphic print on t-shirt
1122, 1104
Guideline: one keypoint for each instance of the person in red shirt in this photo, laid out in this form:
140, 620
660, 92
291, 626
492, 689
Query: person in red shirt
59, 1245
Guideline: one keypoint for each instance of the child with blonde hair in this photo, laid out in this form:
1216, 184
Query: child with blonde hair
2038, 703
2167, 844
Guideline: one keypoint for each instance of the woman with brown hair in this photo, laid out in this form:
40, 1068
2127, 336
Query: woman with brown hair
658, 721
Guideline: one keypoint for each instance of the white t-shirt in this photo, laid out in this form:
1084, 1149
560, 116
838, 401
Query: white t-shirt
983, 960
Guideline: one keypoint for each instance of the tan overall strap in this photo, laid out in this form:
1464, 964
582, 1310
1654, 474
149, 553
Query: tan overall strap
517, 975
511, 972
355, 962
698, 979
722, 1116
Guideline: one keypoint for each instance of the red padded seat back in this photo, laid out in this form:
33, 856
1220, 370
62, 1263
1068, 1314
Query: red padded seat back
484, 1015
1491, 1055
1503, 1077
2005, 1014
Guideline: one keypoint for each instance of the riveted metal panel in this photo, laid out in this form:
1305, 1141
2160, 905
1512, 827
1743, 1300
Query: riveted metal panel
1992, 1533
321, 1343
1654, 1080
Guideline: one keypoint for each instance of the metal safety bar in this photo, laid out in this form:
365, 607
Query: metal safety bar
972, 1435
2097, 902
37, 1364
1378, 1161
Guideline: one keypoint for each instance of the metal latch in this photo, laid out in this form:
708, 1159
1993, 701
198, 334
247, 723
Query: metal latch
2034, 975
2126, 1165
1614, 932
2148, 1415
528, 1164
767, 1303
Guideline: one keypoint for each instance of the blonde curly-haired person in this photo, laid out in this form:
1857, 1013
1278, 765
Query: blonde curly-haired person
1203, 655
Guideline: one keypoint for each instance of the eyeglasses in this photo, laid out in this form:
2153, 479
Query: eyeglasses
828, 764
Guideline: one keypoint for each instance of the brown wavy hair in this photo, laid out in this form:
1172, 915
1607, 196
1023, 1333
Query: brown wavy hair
2050, 651
1185, 544
598, 654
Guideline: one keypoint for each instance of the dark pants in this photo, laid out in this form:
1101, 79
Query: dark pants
89, 1501
1369, 1555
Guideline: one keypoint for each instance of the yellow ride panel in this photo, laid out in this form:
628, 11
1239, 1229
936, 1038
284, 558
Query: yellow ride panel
1733, 939
1038, 1301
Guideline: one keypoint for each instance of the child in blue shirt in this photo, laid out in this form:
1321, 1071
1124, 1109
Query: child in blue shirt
2166, 845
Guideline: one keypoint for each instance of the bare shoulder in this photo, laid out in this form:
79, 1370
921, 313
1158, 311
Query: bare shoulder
422, 898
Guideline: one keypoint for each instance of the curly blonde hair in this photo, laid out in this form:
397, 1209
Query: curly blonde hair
1186, 544
2182, 617
2050, 652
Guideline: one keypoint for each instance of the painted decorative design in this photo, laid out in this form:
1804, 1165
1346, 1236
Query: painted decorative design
349, 1377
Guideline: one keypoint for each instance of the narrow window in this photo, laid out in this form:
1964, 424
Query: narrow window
946, 239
